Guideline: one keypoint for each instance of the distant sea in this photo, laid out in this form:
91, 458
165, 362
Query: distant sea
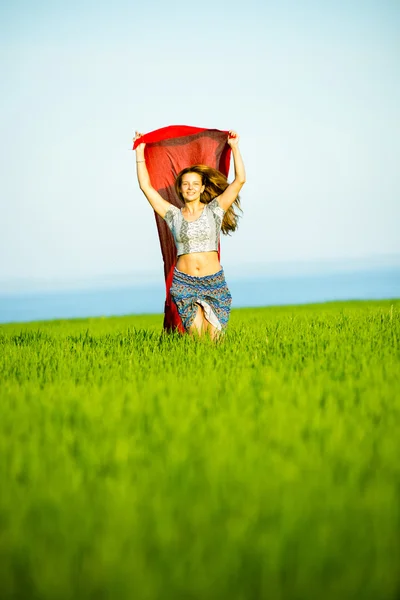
364, 284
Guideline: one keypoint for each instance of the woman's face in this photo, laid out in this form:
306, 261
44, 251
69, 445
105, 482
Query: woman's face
191, 187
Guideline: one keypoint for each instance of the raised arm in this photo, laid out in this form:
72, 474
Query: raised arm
229, 195
156, 200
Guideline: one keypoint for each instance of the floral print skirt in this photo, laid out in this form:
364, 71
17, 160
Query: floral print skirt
210, 291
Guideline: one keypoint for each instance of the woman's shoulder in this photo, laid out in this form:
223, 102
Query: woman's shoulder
215, 206
172, 211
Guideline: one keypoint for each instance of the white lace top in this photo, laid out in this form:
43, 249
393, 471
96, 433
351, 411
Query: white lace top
201, 235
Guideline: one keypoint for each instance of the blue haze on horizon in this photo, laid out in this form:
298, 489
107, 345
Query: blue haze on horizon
312, 88
371, 284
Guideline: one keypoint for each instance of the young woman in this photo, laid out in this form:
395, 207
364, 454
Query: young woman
198, 287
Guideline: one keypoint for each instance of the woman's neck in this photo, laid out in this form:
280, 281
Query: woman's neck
193, 207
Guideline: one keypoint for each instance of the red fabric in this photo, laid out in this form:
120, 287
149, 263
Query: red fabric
168, 151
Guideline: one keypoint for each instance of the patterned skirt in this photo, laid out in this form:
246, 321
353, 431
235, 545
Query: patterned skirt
210, 291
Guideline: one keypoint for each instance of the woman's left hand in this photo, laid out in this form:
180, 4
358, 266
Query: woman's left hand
233, 139
137, 136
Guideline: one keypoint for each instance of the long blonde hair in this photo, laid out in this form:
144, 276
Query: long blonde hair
215, 183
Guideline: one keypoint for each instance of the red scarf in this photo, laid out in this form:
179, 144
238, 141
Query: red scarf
168, 151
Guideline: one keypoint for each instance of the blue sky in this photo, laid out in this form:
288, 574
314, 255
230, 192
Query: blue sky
313, 89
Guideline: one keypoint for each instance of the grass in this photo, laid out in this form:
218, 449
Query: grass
138, 465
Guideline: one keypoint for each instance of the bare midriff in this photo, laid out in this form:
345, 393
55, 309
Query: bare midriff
199, 264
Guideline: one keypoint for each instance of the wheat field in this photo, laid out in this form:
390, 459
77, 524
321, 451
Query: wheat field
147, 466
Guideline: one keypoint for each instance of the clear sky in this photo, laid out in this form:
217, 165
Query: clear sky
313, 89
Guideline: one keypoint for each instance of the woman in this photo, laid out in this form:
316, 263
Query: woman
198, 288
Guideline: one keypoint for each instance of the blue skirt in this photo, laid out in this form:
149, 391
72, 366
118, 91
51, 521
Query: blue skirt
209, 291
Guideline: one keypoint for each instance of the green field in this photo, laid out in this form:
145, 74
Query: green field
147, 466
